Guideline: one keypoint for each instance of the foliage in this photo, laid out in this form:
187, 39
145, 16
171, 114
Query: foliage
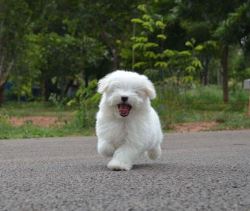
174, 105
61, 39
87, 99
63, 57
31, 131
178, 44
28, 130
151, 53
235, 28
14, 24
178, 105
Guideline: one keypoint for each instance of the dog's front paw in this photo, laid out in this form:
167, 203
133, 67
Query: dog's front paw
116, 165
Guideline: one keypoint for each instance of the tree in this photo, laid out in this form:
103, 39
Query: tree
234, 28
14, 21
151, 52
60, 47
109, 22
212, 13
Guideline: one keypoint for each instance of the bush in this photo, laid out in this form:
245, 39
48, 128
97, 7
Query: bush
238, 100
87, 99
177, 104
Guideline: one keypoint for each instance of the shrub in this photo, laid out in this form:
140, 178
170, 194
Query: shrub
87, 99
238, 100
176, 104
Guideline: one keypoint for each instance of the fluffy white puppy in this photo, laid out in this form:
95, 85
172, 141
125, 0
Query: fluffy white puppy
127, 125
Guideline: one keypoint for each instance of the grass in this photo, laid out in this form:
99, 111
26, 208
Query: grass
35, 109
31, 131
70, 126
201, 104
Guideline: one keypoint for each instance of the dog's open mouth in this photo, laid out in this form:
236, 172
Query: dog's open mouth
124, 109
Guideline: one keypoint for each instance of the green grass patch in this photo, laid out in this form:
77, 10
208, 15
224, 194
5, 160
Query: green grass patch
233, 120
31, 131
199, 104
35, 109
69, 127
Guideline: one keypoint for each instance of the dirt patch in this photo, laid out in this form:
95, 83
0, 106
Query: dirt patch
51, 121
42, 121
194, 126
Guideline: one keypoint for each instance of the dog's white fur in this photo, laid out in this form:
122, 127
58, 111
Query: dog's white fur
126, 138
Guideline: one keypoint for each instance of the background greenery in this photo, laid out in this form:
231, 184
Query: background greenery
52, 52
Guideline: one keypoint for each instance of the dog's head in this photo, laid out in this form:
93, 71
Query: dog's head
126, 91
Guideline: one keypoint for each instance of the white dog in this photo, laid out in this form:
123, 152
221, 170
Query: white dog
127, 125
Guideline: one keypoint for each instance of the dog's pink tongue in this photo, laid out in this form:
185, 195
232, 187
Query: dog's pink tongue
124, 109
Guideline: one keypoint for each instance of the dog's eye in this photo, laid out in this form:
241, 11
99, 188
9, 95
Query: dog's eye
139, 92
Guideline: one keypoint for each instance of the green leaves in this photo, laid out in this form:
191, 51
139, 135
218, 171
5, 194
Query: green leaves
161, 65
168, 53
151, 53
160, 24
235, 26
151, 45
148, 26
142, 7
137, 20
138, 46
140, 39
139, 65
161, 36
199, 48
196, 63
190, 43
144, 45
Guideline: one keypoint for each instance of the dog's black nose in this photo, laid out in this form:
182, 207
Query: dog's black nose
124, 99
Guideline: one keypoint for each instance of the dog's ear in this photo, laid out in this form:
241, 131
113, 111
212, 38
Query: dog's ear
149, 89
102, 85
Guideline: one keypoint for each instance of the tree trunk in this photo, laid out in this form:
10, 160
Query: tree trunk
46, 89
115, 59
4, 73
114, 53
1, 94
86, 80
206, 71
224, 64
133, 50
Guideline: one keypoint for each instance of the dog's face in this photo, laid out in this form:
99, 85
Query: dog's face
125, 91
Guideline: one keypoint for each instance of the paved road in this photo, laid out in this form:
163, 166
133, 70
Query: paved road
198, 171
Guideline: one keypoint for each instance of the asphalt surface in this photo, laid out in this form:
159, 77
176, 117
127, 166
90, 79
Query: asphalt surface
197, 171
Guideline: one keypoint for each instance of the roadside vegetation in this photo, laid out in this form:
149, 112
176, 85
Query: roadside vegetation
52, 53
178, 110
26, 120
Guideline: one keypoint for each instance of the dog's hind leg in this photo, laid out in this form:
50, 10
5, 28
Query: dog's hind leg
154, 153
